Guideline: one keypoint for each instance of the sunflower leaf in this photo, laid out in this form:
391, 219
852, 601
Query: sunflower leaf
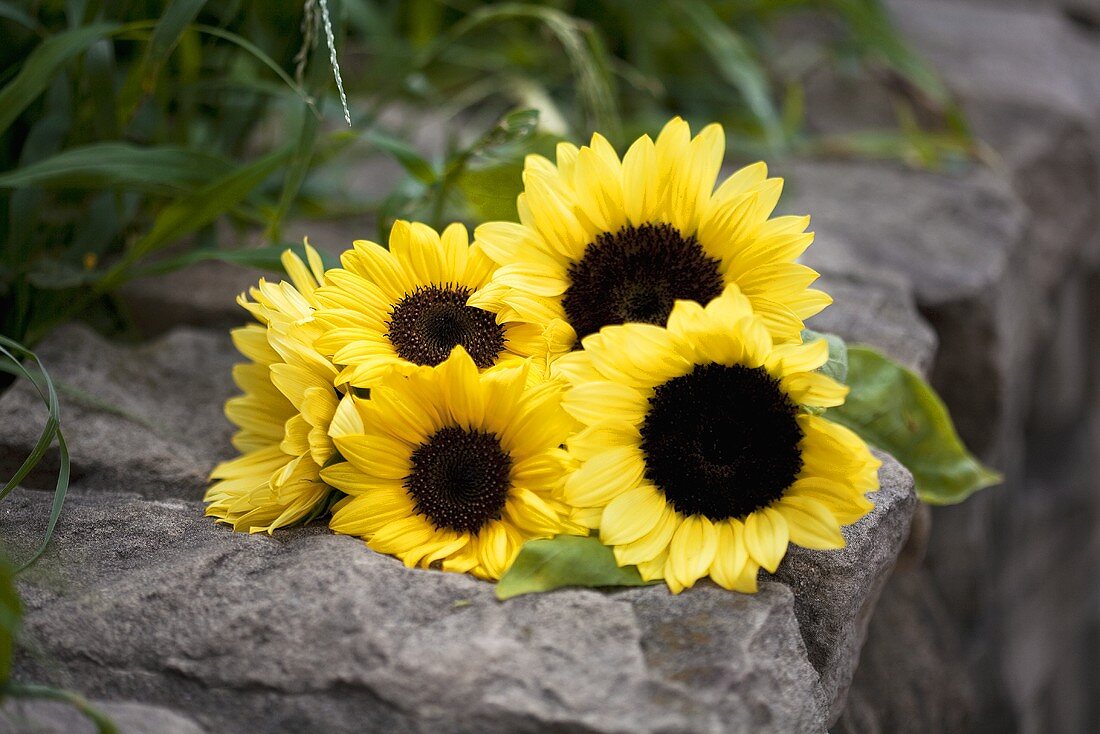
897, 411
567, 560
837, 366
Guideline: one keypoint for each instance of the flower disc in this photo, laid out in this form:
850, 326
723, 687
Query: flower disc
699, 454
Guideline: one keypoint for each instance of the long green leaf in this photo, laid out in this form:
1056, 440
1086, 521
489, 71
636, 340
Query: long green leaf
413, 163
567, 560
43, 63
736, 63
163, 169
897, 411
11, 612
173, 22
48, 393
262, 258
9, 350
8, 11
195, 211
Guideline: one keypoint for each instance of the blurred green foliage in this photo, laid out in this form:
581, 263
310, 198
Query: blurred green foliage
140, 136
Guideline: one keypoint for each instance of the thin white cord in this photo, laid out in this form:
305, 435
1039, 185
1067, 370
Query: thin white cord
332, 60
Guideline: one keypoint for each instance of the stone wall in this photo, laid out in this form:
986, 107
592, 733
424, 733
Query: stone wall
982, 617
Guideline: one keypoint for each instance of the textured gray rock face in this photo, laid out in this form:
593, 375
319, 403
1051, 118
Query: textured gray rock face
147, 600
1013, 362
955, 239
50, 717
876, 308
912, 678
146, 419
835, 592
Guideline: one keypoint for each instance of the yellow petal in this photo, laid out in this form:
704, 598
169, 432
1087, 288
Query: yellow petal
731, 557
595, 402
692, 550
810, 523
631, 515
766, 537
604, 476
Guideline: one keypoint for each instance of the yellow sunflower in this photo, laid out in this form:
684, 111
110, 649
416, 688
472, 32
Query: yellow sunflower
407, 307
604, 241
697, 457
453, 467
285, 411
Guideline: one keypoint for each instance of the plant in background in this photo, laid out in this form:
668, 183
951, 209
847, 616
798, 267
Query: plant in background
18, 361
122, 133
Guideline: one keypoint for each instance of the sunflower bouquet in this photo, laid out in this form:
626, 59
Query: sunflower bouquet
627, 364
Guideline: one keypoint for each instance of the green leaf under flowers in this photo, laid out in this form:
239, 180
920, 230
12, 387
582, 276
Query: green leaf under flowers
897, 411
11, 612
837, 366
566, 560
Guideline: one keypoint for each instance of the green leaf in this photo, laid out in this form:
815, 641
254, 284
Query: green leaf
897, 411
837, 366
267, 257
193, 212
47, 392
567, 560
164, 169
736, 63
413, 163
8, 11
41, 66
173, 22
98, 719
11, 612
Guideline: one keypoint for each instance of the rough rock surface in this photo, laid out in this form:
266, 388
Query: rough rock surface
146, 419
876, 308
835, 591
147, 600
911, 678
51, 717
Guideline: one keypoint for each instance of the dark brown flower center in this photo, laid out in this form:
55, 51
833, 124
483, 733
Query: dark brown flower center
721, 441
460, 479
428, 323
636, 274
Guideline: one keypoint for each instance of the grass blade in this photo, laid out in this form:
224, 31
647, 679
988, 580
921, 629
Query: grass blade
163, 169
193, 212
46, 390
42, 65
102, 724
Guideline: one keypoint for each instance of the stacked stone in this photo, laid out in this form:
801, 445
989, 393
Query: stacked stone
1003, 261
988, 622
142, 599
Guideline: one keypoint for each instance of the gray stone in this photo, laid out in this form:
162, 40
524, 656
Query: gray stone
142, 418
1022, 81
147, 600
52, 717
835, 591
957, 240
203, 294
912, 678
876, 308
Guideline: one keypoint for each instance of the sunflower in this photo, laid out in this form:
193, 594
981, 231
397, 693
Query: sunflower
407, 307
701, 451
604, 241
285, 411
453, 467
